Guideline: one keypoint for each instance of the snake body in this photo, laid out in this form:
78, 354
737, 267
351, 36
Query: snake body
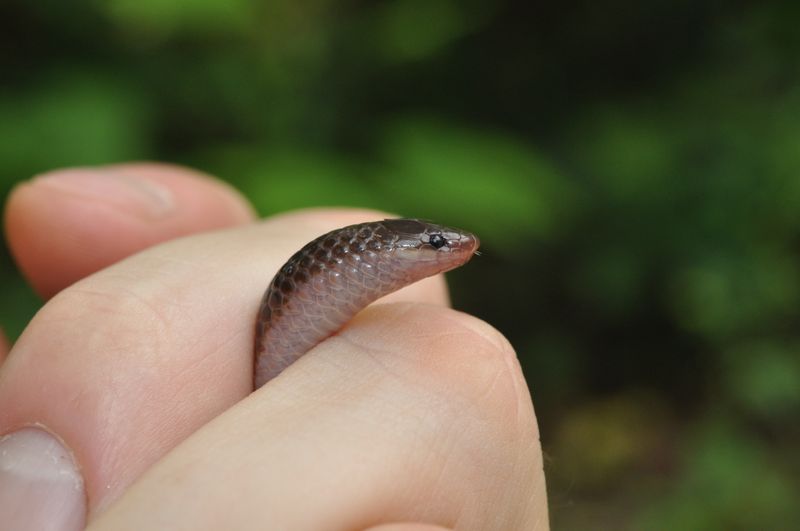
333, 277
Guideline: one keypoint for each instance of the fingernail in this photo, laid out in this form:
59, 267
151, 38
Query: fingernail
40, 487
112, 186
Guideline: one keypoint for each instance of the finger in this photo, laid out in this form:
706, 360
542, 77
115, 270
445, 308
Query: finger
126, 363
67, 224
412, 412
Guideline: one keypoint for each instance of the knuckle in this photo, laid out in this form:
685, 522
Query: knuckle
463, 365
485, 371
485, 407
102, 316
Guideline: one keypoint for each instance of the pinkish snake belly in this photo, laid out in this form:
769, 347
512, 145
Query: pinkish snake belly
336, 275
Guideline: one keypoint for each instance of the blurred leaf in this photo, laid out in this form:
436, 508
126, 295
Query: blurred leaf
76, 118
630, 157
718, 297
415, 29
485, 181
728, 482
161, 18
286, 178
765, 377
781, 190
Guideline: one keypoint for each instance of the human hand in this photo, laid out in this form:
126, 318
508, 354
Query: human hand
412, 413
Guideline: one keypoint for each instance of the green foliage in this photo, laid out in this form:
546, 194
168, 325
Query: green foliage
764, 379
165, 19
70, 118
633, 171
418, 29
728, 483
482, 179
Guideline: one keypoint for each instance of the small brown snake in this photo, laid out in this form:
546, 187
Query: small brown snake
336, 275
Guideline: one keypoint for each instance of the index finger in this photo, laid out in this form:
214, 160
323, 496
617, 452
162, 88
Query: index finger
69, 223
125, 364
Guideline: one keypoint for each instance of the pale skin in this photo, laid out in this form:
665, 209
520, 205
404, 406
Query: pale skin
415, 417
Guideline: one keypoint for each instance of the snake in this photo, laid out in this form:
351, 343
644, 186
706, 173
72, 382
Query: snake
333, 277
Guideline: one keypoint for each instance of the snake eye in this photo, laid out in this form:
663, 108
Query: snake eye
437, 241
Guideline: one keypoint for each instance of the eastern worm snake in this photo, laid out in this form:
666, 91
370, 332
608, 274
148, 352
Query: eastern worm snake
336, 275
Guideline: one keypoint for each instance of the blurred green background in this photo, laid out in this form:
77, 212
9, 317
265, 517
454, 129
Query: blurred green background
632, 168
